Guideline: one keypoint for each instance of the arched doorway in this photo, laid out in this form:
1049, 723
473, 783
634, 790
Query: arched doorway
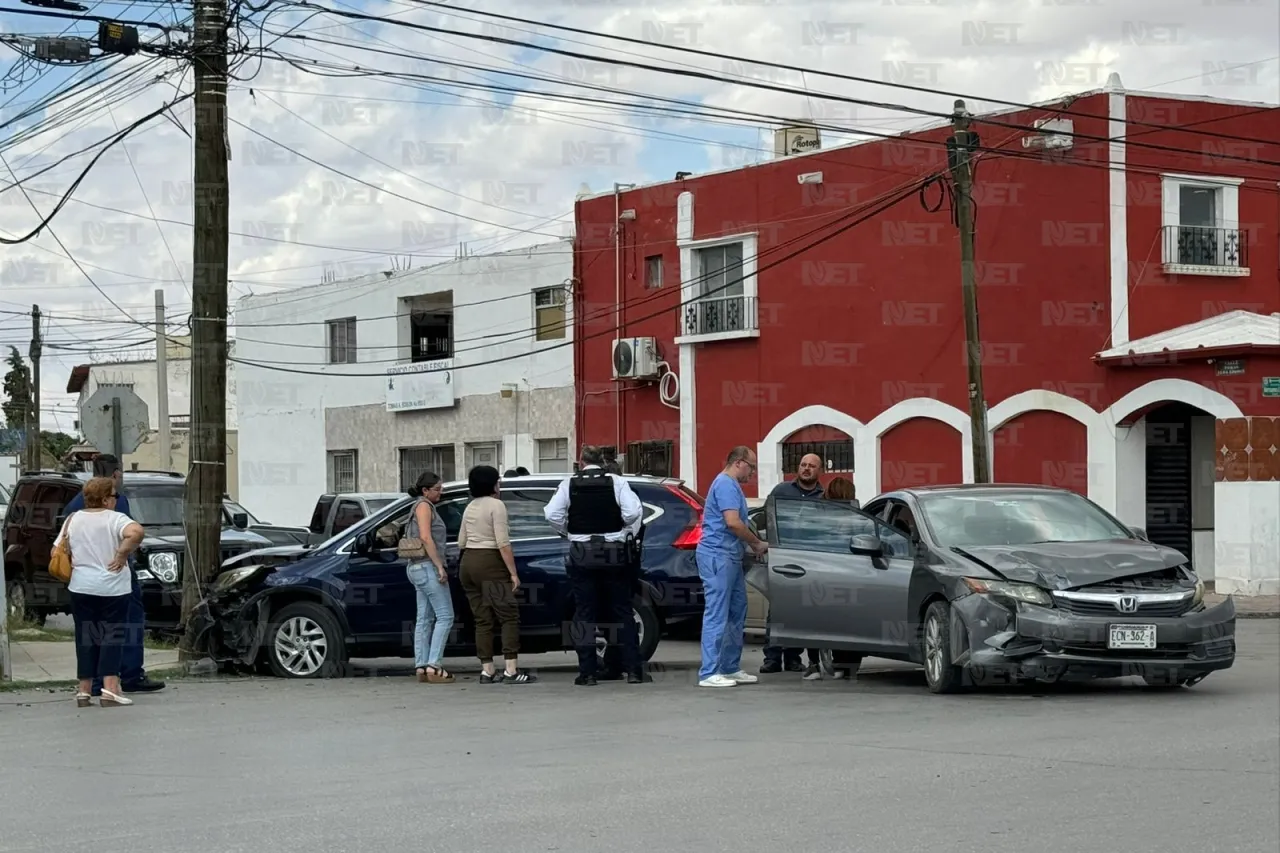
833, 446
1180, 473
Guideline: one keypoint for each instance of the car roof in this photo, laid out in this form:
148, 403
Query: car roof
543, 479
368, 496
973, 488
85, 476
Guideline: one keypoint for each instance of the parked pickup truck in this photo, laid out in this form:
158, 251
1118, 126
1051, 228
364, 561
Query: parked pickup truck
334, 513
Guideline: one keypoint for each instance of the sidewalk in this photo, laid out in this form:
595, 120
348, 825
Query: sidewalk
56, 661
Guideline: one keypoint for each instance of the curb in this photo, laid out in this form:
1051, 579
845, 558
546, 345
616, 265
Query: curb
1259, 614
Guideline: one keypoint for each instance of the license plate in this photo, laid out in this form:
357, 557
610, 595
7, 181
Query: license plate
1132, 637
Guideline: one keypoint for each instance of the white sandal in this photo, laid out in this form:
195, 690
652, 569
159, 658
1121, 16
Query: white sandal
108, 699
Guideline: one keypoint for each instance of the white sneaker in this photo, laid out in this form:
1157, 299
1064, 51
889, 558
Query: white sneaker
717, 681
741, 677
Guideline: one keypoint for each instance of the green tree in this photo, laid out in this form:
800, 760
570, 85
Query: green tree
57, 443
17, 403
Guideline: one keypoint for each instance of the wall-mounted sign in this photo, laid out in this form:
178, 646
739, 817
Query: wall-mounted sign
422, 385
1230, 366
1271, 386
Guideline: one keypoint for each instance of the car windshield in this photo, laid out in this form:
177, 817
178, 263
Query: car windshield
155, 506
1016, 518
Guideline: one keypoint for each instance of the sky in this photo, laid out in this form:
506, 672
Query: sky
338, 170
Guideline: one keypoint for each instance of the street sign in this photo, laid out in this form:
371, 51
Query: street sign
115, 420
1271, 386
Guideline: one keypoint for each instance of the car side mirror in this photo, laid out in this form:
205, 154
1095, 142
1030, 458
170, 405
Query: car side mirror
363, 544
866, 545
1140, 532
240, 520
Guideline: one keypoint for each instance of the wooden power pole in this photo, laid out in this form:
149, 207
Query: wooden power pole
162, 384
960, 150
207, 476
32, 444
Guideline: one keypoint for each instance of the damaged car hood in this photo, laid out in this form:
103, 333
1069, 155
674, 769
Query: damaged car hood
1065, 565
268, 556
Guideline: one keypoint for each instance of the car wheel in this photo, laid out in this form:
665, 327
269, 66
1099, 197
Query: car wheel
305, 641
19, 611
942, 675
648, 628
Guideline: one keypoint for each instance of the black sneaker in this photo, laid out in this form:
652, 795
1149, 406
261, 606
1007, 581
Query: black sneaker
770, 666
586, 681
145, 684
638, 678
795, 666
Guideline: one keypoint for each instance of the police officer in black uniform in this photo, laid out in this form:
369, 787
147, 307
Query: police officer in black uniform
601, 515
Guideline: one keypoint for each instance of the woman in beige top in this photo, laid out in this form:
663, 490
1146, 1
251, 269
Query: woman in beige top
488, 574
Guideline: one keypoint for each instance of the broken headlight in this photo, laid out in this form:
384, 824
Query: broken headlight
235, 577
1029, 593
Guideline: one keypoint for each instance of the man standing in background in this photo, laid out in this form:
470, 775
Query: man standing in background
804, 487
133, 678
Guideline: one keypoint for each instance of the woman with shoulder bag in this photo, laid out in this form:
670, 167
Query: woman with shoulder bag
426, 555
100, 541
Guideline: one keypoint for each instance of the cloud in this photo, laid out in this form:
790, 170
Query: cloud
434, 164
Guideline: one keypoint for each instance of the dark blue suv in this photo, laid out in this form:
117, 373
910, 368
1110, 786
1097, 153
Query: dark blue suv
305, 612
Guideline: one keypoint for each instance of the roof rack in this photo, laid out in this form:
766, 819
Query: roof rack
50, 472
152, 471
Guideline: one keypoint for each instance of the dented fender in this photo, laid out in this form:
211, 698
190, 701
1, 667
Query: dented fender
985, 623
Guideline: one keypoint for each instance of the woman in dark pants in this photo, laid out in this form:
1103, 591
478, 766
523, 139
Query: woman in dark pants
100, 541
488, 574
837, 664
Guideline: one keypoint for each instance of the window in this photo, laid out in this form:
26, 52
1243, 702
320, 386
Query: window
821, 525
654, 458
414, 461
349, 513
321, 514
835, 455
1202, 234
342, 472
719, 304
553, 456
525, 513
432, 335
486, 453
653, 272
451, 511
549, 313
342, 341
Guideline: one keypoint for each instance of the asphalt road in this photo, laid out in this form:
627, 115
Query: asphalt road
388, 764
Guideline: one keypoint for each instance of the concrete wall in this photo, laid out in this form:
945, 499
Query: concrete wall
293, 406
142, 376
377, 437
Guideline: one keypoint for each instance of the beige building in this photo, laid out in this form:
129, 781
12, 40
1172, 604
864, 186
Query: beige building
142, 377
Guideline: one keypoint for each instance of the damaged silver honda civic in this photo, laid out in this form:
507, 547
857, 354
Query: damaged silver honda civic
987, 585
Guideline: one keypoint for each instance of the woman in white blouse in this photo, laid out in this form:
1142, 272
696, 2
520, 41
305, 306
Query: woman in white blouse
101, 541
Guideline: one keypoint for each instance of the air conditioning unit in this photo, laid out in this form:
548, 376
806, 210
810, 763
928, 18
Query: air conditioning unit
635, 358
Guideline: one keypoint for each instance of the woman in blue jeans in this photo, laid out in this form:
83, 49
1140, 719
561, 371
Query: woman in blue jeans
435, 602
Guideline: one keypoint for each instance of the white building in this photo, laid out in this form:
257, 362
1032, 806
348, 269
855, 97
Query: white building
362, 385
142, 377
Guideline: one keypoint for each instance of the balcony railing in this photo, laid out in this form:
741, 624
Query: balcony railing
715, 315
1195, 246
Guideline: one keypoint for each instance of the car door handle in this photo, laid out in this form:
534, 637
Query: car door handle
789, 570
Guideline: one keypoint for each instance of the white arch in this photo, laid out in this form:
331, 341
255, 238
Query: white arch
1100, 460
1040, 400
1173, 391
769, 449
866, 463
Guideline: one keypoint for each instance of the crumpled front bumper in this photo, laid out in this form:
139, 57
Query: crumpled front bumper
1009, 642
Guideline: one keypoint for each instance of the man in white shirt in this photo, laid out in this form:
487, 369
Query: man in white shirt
601, 516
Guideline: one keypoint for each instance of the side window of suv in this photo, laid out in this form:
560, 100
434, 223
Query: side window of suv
50, 498
24, 499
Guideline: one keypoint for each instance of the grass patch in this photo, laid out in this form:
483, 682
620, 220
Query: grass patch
44, 686
26, 631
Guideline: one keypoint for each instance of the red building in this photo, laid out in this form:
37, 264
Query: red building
1129, 287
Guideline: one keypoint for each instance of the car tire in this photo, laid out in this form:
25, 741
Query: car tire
935, 641
15, 593
296, 625
650, 633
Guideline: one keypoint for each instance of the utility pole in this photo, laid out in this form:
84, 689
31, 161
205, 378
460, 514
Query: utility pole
959, 149
162, 383
33, 419
207, 476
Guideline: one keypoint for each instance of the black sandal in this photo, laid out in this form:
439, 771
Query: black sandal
520, 677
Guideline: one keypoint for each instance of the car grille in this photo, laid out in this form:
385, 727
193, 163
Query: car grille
1162, 609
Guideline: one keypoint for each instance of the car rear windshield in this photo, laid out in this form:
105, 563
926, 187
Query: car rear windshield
1017, 518
376, 504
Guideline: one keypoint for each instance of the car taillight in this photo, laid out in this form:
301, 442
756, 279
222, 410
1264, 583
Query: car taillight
692, 535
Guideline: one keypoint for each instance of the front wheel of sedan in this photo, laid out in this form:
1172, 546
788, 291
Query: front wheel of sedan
305, 641
941, 674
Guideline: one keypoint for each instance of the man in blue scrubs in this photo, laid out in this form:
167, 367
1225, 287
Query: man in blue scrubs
719, 556
133, 678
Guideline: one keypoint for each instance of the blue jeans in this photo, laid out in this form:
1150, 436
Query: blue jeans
130, 670
724, 616
435, 615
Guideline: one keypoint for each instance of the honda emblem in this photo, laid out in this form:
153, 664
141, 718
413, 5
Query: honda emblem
1127, 604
